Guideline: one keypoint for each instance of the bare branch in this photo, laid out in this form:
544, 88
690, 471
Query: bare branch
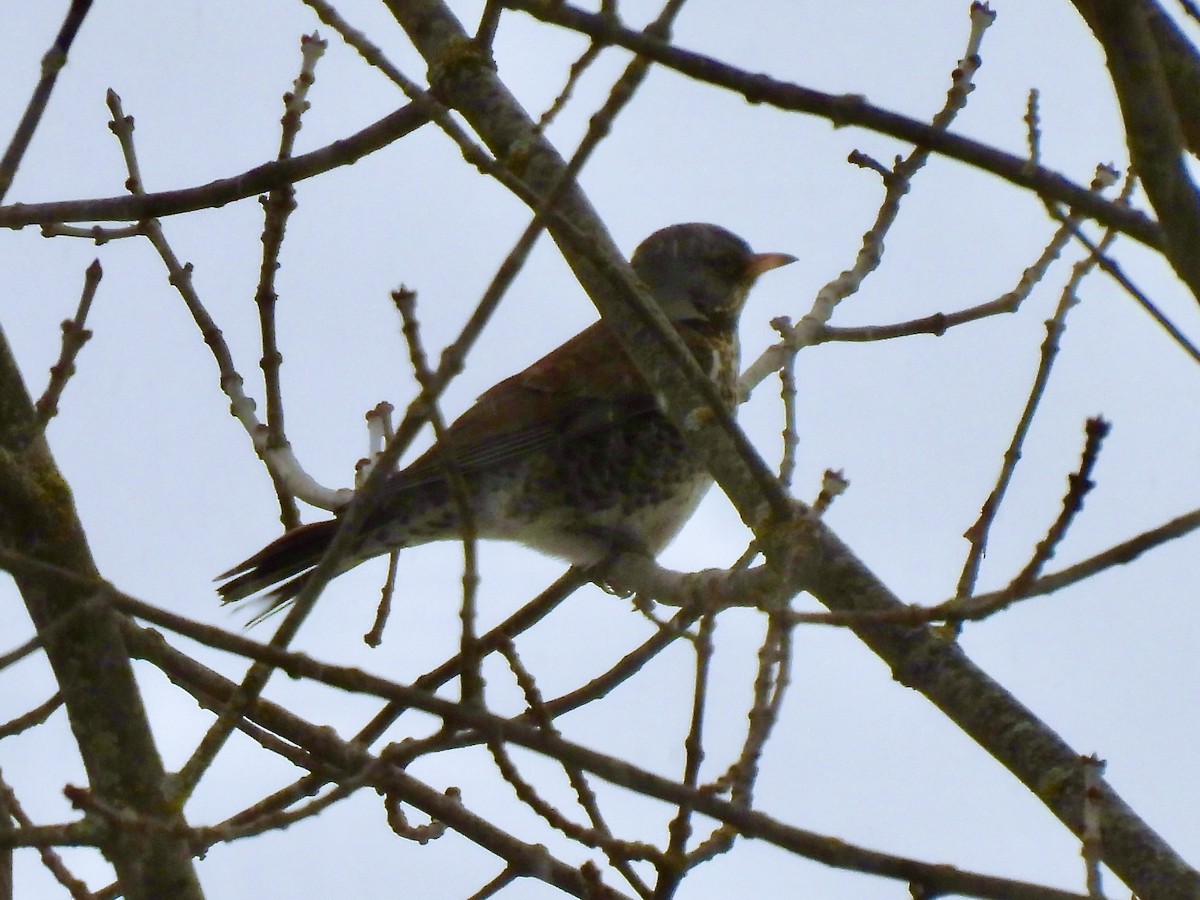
44, 838
52, 63
843, 110
277, 206
1156, 143
1080, 483
934, 879
977, 534
75, 335
35, 716
897, 182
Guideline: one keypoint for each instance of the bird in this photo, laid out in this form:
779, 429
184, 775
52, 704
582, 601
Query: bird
573, 456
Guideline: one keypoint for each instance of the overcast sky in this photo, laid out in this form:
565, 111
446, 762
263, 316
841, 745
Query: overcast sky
171, 493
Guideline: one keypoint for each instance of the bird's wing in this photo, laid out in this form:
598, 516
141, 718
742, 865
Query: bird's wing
586, 384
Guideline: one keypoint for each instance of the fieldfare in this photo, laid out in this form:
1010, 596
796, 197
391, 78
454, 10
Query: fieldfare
573, 456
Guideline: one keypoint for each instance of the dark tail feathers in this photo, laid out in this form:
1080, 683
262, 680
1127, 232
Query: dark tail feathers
283, 565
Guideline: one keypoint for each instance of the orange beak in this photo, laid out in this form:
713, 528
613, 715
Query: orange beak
765, 262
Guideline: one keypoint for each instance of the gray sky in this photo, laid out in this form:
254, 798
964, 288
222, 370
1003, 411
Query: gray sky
171, 493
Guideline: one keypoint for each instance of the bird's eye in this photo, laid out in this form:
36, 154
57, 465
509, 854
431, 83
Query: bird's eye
728, 265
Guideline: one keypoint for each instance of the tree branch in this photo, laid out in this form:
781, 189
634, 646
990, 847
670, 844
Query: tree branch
87, 654
1156, 143
849, 109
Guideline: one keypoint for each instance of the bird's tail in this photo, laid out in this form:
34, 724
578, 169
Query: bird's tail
283, 565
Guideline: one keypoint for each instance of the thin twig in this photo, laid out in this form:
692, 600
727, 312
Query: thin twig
770, 686
11, 562
939, 323
680, 829
74, 336
34, 717
471, 677
1113, 269
509, 875
626, 667
977, 534
787, 393
1079, 484
590, 54
279, 459
383, 609
52, 63
897, 182
20, 651
10, 807
518, 622
397, 820
278, 205
226, 832
982, 605
1033, 127
215, 194
599, 835
370, 52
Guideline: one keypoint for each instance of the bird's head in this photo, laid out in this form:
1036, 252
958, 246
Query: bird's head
700, 272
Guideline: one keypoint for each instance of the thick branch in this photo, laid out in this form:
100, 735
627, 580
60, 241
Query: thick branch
1152, 131
1180, 63
37, 518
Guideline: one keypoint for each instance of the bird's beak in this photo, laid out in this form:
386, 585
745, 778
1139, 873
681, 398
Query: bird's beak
765, 262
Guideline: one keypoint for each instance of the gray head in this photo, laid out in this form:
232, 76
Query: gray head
700, 272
